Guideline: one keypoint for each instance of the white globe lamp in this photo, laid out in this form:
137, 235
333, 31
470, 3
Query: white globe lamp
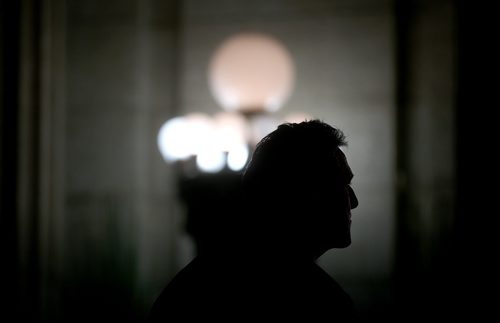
251, 73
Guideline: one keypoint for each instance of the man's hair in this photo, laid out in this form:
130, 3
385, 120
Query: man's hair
290, 154
288, 166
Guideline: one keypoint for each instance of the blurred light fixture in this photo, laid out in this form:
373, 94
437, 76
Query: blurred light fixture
250, 75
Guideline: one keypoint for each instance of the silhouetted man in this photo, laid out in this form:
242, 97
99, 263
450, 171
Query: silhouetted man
297, 205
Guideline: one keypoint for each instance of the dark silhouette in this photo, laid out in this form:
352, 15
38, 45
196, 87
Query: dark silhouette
297, 204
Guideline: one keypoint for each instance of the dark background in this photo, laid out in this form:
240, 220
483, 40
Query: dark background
91, 221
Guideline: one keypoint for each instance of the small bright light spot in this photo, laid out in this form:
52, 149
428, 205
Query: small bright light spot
210, 161
230, 130
237, 158
199, 132
171, 141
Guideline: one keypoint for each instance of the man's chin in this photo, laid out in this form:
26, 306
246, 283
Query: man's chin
341, 244
338, 244
345, 245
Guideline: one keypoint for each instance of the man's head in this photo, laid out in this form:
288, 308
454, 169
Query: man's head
300, 179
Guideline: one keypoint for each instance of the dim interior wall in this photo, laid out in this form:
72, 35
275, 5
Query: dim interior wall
431, 127
127, 66
121, 220
427, 150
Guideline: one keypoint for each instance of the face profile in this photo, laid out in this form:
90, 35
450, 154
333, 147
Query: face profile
300, 179
331, 203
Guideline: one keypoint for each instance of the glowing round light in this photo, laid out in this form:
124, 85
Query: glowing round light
237, 158
211, 161
182, 137
171, 139
200, 132
251, 72
231, 130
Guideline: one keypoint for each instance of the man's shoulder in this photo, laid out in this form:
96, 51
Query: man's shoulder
188, 278
330, 291
179, 294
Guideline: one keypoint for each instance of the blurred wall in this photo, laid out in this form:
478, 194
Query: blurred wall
98, 227
426, 87
121, 219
